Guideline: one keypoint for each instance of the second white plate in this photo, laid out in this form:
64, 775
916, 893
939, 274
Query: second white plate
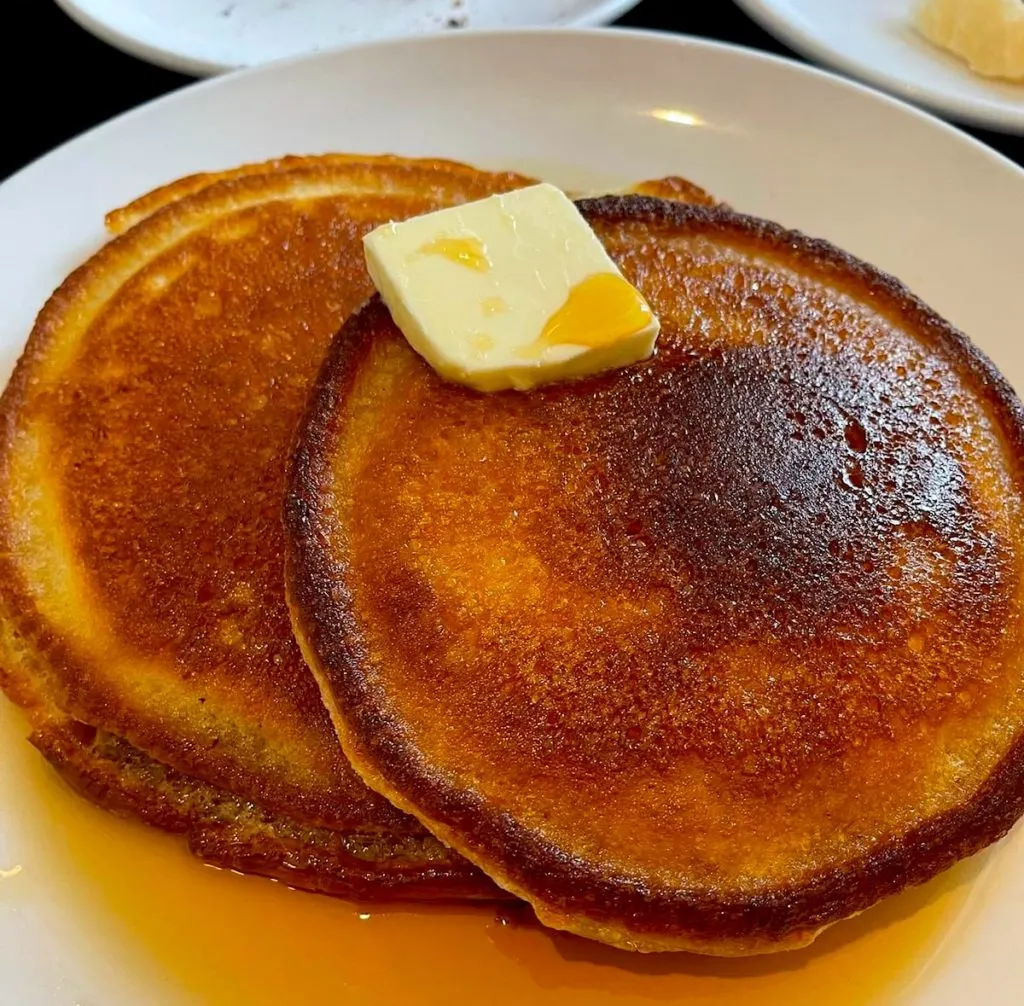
204, 37
875, 40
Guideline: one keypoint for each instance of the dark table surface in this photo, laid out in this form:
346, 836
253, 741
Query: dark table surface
74, 81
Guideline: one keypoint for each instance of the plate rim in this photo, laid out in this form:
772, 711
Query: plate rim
667, 38
767, 14
79, 11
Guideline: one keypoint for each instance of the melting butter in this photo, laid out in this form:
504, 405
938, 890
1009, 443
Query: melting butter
466, 251
599, 310
493, 305
522, 274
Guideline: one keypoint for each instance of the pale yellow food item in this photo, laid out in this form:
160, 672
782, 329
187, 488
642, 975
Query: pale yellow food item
511, 291
988, 34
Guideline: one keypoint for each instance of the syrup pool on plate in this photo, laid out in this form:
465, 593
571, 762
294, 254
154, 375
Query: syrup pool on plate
146, 919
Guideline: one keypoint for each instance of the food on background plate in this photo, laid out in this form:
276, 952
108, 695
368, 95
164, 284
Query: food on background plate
987, 34
142, 616
706, 653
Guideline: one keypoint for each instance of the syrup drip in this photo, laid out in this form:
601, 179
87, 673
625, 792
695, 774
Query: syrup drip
598, 311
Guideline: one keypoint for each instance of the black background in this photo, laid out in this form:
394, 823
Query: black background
58, 80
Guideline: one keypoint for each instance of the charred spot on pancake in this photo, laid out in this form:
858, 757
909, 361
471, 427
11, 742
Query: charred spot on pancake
675, 538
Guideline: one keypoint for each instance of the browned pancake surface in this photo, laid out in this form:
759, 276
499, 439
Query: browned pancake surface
145, 431
706, 653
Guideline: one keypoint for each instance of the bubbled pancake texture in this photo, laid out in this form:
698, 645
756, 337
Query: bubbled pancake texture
142, 613
705, 653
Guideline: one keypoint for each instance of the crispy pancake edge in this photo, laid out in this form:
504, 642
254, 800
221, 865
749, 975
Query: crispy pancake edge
614, 909
120, 220
232, 834
227, 830
117, 221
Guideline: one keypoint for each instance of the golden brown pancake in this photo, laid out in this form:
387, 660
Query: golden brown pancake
142, 614
707, 653
145, 431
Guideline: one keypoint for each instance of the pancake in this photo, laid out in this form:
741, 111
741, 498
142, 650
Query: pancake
145, 431
142, 615
703, 654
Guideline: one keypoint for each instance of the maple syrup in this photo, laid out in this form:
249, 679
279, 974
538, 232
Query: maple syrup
599, 310
468, 252
195, 935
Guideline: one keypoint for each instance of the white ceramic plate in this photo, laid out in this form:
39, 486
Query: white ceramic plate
874, 40
99, 912
204, 37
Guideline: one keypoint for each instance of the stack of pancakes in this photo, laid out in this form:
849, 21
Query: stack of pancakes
706, 653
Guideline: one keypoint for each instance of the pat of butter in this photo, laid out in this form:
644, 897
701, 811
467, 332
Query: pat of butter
512, 291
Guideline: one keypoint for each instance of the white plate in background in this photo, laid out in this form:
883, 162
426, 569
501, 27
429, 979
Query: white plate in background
99, 912
875, 40
205, 37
